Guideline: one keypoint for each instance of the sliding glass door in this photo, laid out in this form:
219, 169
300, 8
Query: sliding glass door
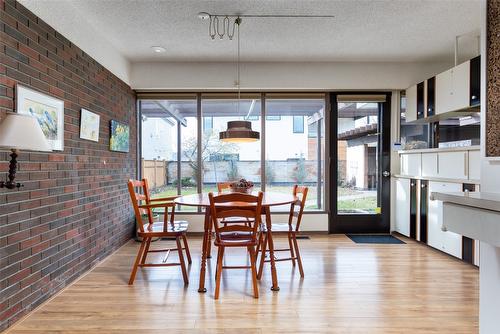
360, 151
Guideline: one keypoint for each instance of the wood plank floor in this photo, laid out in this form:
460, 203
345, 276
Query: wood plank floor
348, 288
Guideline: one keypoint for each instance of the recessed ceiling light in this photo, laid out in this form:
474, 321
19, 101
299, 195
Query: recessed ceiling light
203, 15
158, 49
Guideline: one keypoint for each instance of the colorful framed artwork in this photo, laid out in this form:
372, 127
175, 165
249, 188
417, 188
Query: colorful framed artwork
120, 137
89, 125
48, 111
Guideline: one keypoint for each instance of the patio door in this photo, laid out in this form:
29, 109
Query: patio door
360, 158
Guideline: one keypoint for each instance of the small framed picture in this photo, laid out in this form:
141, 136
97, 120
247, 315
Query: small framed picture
89, 125
119, 140
48, 111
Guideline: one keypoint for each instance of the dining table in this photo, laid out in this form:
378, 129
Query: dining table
269, 200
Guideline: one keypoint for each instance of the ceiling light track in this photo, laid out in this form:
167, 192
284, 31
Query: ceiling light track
222, 25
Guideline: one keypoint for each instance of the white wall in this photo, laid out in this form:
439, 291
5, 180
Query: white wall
281, 76
489, 263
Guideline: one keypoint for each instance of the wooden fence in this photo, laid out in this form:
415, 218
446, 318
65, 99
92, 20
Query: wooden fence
155, 171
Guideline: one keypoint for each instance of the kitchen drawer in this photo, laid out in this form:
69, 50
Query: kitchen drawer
411, 164
452, 165
430, 165
474, 165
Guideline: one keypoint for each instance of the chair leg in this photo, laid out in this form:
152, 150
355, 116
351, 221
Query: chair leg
299, 259
251, 250
259, 244
186, 248
146, 250
262, 257
218, 273
181, 259
290, 244
136, 263
209, 246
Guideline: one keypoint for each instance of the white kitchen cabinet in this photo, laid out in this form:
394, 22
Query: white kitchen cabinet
445, 241
453, 89
411, 104
452, 165
411, 164
430, 165
474, 165
402, 207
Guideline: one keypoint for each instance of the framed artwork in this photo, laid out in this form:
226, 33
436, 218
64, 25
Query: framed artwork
120, 137
48, 111
89, 125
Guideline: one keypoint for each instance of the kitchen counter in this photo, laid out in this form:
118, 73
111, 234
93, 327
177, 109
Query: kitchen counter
480, 200
442, 149
475, 215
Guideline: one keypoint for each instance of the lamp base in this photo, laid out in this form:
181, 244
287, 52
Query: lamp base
11, 184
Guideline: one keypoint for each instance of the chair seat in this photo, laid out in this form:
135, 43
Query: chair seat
279, 227
161, 229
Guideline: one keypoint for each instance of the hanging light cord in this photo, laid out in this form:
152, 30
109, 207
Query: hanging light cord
238, 22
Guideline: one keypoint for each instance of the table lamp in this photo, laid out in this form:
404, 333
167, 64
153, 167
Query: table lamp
20, 132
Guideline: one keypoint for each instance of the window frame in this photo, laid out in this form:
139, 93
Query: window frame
262, 118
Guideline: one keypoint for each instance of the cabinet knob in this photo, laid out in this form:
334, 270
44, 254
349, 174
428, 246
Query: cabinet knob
422, 185
473, 97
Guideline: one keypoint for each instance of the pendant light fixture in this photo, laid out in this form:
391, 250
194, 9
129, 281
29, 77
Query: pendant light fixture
239, 131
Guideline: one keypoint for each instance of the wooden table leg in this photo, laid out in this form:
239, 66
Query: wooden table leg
274, 275
204, 251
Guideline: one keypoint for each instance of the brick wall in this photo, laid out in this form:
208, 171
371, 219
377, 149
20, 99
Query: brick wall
74, 208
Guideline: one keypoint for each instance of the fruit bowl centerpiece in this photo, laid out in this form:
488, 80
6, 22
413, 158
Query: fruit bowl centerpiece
242, 186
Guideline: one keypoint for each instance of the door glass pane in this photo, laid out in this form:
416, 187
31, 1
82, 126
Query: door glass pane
295, 148
169, 130
358, 153
225, 162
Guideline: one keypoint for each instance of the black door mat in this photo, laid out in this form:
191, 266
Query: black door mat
374, 239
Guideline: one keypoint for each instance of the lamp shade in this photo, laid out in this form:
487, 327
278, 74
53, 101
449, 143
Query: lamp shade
239, 132
22, 132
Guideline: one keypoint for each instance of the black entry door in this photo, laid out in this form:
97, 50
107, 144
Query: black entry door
360, 158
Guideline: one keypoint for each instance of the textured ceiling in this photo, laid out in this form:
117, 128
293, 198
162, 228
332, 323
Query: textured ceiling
397, 30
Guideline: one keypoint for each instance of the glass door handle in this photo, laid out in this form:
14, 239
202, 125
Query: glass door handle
386, 173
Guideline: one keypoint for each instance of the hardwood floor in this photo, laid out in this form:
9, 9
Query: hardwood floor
348, 288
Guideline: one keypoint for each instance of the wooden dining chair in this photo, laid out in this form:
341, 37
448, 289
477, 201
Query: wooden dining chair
161, 211
236, 235
291, 229
150, 229
221, 187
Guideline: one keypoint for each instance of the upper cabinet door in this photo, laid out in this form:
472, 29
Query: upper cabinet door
411, 103
421, 100
444, 92
475, 81
460, 86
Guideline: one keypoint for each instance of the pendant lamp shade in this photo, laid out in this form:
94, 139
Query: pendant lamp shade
239, 132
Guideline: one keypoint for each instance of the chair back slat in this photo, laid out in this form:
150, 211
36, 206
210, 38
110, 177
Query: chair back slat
235, 205
301, 193
244, 213
235, 228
